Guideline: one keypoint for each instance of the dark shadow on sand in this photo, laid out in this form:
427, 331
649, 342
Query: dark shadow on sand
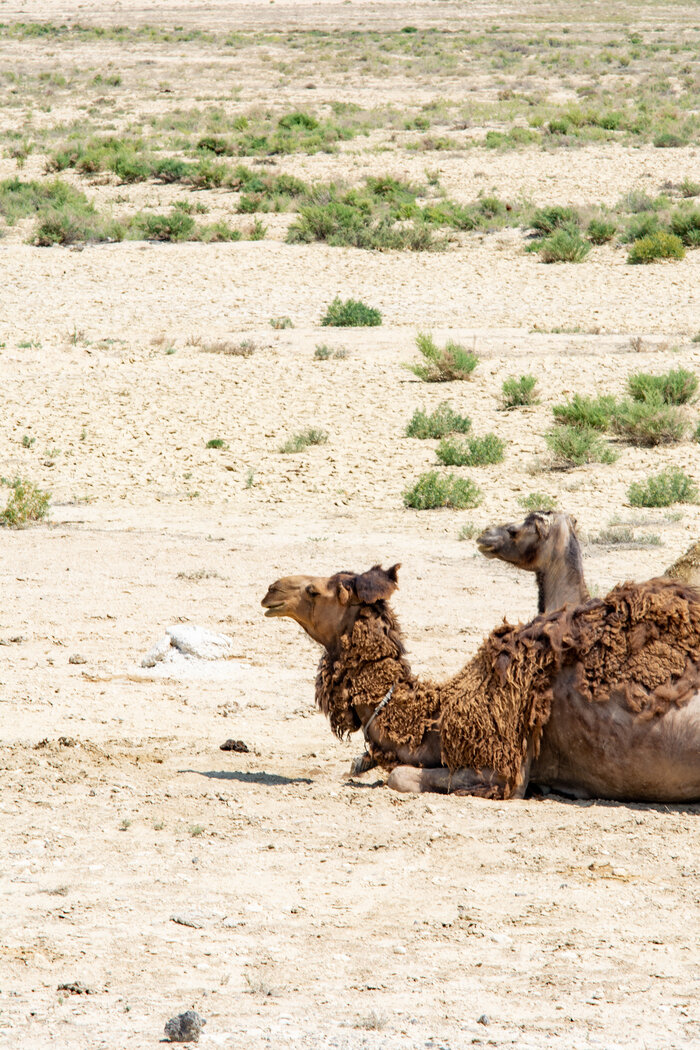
267, 779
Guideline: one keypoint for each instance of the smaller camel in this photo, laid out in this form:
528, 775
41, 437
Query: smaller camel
687, 567
546, 544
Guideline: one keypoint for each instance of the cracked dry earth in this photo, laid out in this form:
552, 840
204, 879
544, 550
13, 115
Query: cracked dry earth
151, 872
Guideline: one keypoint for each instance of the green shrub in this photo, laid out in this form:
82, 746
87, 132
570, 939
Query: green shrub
171, 169
26, 503
519, 392
310, 436
547, 220
669, 140
644, 224
649, 423
443, 420
564, 246
351, 313
537, 501
685, 223
674, 388
178, 226
688, 188
442, 490
71, 225
216, 443
129, 167
661, 245
600, 231
661, 490
575, 446
474, 452
442, 364
593, 413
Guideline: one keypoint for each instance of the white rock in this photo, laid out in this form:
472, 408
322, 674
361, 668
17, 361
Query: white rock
197, 641
159, 651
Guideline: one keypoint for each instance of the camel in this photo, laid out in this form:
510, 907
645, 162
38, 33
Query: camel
687, 567
599, 700
546, 544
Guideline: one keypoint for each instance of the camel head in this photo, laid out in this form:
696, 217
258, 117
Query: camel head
327, 606
532, 544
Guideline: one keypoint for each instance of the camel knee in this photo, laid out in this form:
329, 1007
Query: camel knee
413, 779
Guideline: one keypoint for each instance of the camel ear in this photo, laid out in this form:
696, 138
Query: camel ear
542, 525
377, 583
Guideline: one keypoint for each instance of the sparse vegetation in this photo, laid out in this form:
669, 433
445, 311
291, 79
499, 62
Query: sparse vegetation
472, 452
280, 323
663, 489
673, 388
434, 490
601, 231
537, 501
230, 349
659, 245
323, 352
574, 446
468, 531
26, 503
310, 436
216, 443
442, 364
517, 393
624, 536
564, 245
351, 313
648, 423
438, 423
594, 413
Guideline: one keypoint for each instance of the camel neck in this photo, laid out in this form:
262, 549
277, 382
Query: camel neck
558, 588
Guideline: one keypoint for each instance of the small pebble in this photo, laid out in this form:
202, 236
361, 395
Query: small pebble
77, 658
484, 1019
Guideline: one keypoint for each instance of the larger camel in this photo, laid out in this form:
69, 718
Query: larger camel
596, 701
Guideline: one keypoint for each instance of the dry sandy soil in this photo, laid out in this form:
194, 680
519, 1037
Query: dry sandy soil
318, 910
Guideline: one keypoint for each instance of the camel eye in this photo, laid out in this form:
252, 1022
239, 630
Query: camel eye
312, 591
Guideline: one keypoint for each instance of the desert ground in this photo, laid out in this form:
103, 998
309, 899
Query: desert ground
289, 903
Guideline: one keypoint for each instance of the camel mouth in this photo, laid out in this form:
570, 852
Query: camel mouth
275, 610
486, 546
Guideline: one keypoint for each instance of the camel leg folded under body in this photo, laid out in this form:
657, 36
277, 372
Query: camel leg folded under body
485, 782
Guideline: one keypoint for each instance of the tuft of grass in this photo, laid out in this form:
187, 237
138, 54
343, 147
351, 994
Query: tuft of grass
443, 420
594, 413
676, 387
323, 352
442, 490
685, 223
547, 220
442, 364
223, 346
280, 323
624, 536
196, 830
660, 245
663, 489
564, 246
537, 501
216, 443
573, 446
649, 423
474, 452
468, 531
351, 313
600, 231
310, 436
516, 393
26, 503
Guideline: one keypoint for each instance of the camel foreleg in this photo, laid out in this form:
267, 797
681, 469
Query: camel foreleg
486, 783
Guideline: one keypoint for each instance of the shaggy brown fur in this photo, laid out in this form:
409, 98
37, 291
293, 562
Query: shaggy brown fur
366, 664
640, 644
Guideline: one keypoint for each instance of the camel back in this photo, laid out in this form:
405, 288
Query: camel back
640, 645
